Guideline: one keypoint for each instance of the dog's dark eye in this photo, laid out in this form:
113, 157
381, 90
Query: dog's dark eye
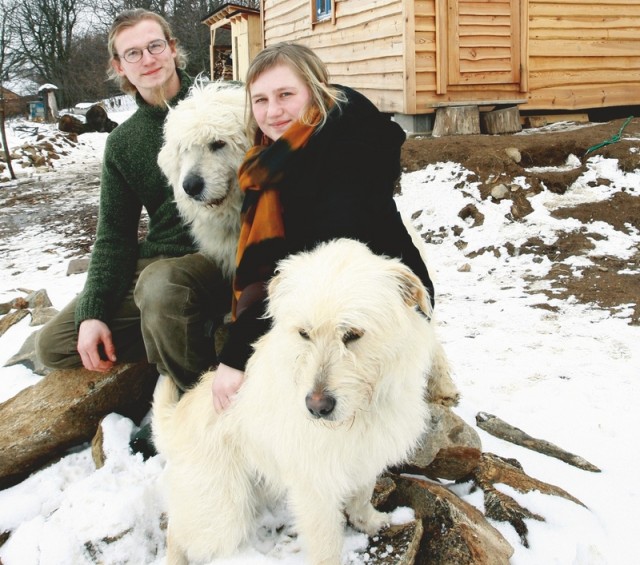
303, 334
351, 335
215, 145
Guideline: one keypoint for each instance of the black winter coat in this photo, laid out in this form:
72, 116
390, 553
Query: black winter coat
340, 184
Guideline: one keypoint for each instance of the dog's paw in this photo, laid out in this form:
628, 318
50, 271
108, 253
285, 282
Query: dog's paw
370, 522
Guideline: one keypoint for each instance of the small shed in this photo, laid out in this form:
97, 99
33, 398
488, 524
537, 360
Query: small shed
411, 57
237, 24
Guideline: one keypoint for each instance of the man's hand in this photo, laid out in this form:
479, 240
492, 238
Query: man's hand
225, 385
94, 336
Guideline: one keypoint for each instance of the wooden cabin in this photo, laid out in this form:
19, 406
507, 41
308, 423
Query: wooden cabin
411, 57
12, 104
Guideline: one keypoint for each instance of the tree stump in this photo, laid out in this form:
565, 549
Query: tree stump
456, 120
501, 120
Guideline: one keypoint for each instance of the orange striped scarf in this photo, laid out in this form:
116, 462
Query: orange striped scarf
261, 243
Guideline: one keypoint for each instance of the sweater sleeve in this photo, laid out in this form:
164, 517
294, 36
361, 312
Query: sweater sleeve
115, 251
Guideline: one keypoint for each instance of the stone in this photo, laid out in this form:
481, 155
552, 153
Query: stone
97, 447
63, 410
470, 211
41, 315
514, 154
521, 206
27, 356
454, 531
11, 319
39, 299
499, 192
450, 449
78, 266
396, 545
500, 506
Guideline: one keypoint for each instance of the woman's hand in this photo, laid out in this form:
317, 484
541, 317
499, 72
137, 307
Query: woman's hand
92, 334
225, 385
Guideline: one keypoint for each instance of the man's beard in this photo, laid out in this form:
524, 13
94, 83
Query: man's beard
158, 96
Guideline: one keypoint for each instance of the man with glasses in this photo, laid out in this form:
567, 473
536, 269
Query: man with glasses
156, 298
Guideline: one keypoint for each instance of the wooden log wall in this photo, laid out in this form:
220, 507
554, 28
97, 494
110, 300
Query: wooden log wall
565, 54
364, 49
584, 53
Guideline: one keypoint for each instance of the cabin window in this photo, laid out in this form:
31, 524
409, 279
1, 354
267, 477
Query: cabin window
323, 9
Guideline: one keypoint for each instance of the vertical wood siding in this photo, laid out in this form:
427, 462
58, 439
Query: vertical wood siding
364, 49
584, 53
411, 55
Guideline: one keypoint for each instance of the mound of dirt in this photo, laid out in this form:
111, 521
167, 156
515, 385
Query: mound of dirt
493, 159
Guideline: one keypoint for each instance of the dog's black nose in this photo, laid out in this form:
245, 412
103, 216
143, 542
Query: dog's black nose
320, 404
193, 185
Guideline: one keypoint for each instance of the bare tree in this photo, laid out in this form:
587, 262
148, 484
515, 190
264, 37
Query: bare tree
46, 31
8, 61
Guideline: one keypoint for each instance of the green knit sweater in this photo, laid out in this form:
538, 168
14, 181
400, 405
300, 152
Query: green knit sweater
131, 180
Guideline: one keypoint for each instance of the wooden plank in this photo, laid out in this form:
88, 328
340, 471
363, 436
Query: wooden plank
595, 10
409, 64
425, 9
558, 79
356, 51
484, 8
540, 64
521, 27
590, 2
381, 66
370, 81
359, 7
584, 22
442, 50
539, 121
592, 34
578, 48
584, 96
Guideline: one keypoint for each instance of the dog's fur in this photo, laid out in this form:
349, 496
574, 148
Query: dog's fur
334, 393
204, 144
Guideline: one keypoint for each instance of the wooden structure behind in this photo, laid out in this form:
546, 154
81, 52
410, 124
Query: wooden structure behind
414, 56
242, 18
13, 104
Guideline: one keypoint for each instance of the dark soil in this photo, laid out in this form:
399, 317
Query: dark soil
610, 282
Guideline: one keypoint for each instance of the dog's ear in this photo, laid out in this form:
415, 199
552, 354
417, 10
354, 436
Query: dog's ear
412, 290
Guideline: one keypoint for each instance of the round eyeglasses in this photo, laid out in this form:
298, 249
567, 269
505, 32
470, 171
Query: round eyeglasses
156, 47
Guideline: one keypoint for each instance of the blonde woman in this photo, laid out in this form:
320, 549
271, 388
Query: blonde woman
324, 165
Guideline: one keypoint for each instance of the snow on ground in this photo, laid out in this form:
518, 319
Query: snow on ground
568, 376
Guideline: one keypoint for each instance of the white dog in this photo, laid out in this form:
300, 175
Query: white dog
204, 144
334, 394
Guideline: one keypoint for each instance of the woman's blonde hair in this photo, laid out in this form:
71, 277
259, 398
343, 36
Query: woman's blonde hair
309, 68
128, 19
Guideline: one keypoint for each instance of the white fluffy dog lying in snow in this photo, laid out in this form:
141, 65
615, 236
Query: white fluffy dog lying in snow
334, 394
204, 144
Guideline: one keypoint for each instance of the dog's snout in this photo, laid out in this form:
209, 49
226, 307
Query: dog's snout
320, 404
193, 185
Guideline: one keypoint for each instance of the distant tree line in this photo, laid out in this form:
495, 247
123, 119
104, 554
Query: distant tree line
64, 42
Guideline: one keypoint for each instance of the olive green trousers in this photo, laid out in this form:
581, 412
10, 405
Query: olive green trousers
168, 317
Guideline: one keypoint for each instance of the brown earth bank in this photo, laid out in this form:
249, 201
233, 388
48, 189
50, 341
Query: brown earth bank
610, 282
